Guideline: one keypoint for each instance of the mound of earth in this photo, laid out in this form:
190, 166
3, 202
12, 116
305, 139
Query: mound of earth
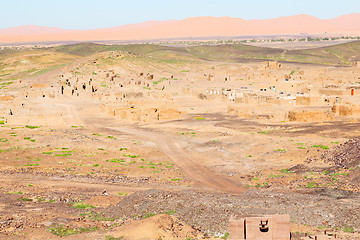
103, 201
161, 226
210, 212
345, 155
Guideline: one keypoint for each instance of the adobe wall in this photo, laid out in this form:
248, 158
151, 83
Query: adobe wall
35, 120
310, 115
346, 110
266, 227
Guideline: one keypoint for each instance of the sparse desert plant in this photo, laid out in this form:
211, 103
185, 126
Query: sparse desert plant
131, 156
147, 215
226, 235
62, 154
62, 231
81, 205
285, 170
115, 160
348, 229
25, 199
320, 146
19, 192
274, 176
31, 127
339, 174
311, 185
108, 237
170, 212
264, 132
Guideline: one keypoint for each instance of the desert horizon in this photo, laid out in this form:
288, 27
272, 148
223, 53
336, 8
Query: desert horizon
194, 27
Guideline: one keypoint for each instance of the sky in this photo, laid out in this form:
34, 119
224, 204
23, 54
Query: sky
90, 14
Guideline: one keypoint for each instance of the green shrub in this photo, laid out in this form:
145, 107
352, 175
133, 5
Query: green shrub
62, 231
348, 229
31, 127
320, 146
311, 185
149, 215
200, 118
107, 237
81, 206
285, 170
131, 156
25, 199
170, 212
176, 179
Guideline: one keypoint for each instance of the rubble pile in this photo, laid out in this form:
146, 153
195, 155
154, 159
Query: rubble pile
345, 155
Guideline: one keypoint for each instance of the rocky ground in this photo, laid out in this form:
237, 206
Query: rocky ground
82, 195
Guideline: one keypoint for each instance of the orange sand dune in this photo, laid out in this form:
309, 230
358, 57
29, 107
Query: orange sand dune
190, 27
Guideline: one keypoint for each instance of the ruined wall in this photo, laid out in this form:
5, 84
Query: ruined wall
346, 110
310, 115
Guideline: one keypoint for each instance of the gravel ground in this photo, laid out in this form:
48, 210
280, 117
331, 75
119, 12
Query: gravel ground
210, 212
345, 155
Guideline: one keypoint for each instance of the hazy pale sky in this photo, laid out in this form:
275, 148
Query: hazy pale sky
87, 14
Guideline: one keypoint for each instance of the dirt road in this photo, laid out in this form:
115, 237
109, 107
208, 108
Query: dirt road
173, 148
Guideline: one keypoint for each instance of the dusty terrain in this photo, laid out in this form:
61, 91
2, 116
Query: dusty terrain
148, 142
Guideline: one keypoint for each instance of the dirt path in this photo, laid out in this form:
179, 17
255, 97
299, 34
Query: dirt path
173, 148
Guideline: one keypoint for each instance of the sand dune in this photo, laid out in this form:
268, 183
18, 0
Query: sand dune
190, 27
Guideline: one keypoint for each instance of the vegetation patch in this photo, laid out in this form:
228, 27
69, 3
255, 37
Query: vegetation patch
348, 229
81, 205
25, 199
62, 231
320, 146
31, 127
311, 185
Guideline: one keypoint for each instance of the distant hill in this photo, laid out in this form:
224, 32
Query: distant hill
195, 27
337, 55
